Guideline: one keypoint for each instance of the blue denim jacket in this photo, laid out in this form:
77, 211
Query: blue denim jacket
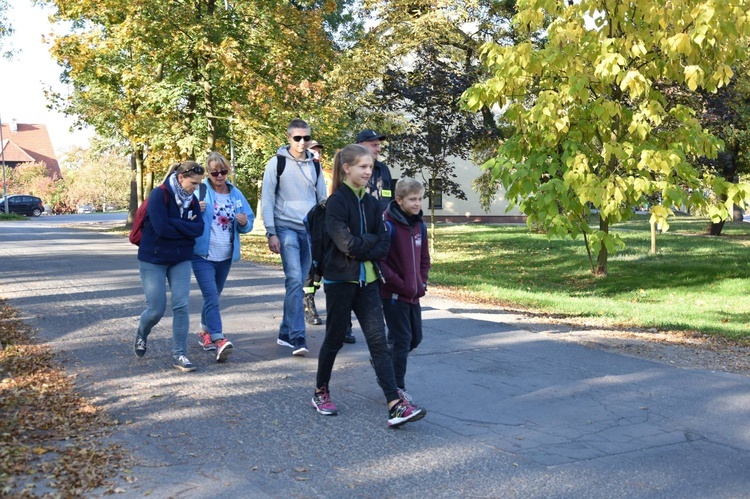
202, 243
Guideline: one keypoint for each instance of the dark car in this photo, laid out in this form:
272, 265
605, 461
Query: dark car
23, 204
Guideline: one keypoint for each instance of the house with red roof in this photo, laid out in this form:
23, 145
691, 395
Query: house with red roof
28, 143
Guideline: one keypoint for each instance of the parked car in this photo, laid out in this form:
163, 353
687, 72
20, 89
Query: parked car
23, 204
85, 208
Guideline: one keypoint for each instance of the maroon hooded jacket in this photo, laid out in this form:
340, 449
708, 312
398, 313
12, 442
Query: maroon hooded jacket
407, 265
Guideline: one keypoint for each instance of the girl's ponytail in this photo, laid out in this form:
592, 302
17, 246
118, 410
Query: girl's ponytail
348, 155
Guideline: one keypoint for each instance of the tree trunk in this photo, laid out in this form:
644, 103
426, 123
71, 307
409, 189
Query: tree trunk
432, 231
716, 228
601, 259
138, 157
133, 204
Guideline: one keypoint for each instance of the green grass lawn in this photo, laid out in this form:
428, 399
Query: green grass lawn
694, 282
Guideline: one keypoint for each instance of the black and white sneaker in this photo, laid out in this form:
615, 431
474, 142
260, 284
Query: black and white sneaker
284, 341
300, 346
183, 364
140, 346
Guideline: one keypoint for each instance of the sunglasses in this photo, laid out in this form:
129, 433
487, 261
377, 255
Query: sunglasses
306, 138
221, 172
196, 169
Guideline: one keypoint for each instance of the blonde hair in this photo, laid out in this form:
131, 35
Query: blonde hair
219, 158
346, 156
406, 186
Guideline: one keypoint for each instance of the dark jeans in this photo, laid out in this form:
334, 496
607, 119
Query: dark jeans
341, 299
404, 331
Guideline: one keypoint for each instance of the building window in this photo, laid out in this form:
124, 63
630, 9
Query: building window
436, 194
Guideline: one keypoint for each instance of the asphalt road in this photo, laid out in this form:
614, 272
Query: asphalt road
511, 413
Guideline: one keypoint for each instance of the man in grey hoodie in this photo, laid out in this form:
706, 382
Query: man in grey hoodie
285, 199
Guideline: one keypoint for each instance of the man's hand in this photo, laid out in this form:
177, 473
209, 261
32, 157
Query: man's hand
274, 244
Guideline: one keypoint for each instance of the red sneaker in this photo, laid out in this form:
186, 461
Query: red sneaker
223, 348
204, 339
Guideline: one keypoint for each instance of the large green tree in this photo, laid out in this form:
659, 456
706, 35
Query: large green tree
593, 129
178, 79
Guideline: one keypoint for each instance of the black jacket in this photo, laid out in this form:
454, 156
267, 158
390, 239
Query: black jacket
356, 234
380, 185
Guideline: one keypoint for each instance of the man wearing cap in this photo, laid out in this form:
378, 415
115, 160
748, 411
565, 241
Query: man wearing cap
288, 194
380, 183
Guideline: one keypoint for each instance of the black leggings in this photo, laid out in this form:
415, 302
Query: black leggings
341, 299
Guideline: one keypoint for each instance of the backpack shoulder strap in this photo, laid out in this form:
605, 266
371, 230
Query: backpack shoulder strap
202, 189
280, 166
391, 229
317, 169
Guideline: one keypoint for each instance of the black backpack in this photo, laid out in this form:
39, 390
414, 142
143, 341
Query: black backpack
281, 164
315, 221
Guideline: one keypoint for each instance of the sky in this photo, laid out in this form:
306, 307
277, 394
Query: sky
24, 78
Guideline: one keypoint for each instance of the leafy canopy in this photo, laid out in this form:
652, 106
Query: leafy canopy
583, 89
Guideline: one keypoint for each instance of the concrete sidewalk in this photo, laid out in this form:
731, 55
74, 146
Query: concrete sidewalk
511, 413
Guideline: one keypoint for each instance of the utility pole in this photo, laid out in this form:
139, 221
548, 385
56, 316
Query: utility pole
5, 182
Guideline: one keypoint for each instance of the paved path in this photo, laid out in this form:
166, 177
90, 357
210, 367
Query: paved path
511, 413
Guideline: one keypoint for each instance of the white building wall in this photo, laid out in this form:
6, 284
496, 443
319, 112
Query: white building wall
458, 210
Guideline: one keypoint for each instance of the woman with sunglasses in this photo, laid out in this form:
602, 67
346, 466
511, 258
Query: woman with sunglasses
170, 228
226, 215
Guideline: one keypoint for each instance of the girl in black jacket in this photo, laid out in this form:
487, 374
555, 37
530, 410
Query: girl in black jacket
358, 239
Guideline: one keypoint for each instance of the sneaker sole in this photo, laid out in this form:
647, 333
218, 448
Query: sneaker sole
184, 369
402, 421
284, 343
301, 352
323, 411
223, 354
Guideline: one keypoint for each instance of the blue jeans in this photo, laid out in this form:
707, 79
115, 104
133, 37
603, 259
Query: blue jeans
296, 260
211, 277
154, 278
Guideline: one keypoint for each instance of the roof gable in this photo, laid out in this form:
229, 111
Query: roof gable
13, 153
34, 141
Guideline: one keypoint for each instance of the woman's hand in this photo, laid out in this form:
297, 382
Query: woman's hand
203, 205
241, 219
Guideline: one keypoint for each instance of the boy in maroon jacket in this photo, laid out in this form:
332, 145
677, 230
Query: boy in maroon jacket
405, 270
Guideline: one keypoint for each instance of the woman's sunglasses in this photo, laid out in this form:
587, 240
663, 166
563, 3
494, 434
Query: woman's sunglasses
196, 169
306, 138
223, 173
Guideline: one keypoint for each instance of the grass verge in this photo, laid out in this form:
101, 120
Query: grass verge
694, 283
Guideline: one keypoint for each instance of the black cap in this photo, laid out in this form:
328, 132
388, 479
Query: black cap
366, 135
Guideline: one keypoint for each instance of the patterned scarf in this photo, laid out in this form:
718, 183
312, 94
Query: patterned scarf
181, 196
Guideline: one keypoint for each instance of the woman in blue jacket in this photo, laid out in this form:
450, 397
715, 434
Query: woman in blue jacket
226, 215
170, 228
